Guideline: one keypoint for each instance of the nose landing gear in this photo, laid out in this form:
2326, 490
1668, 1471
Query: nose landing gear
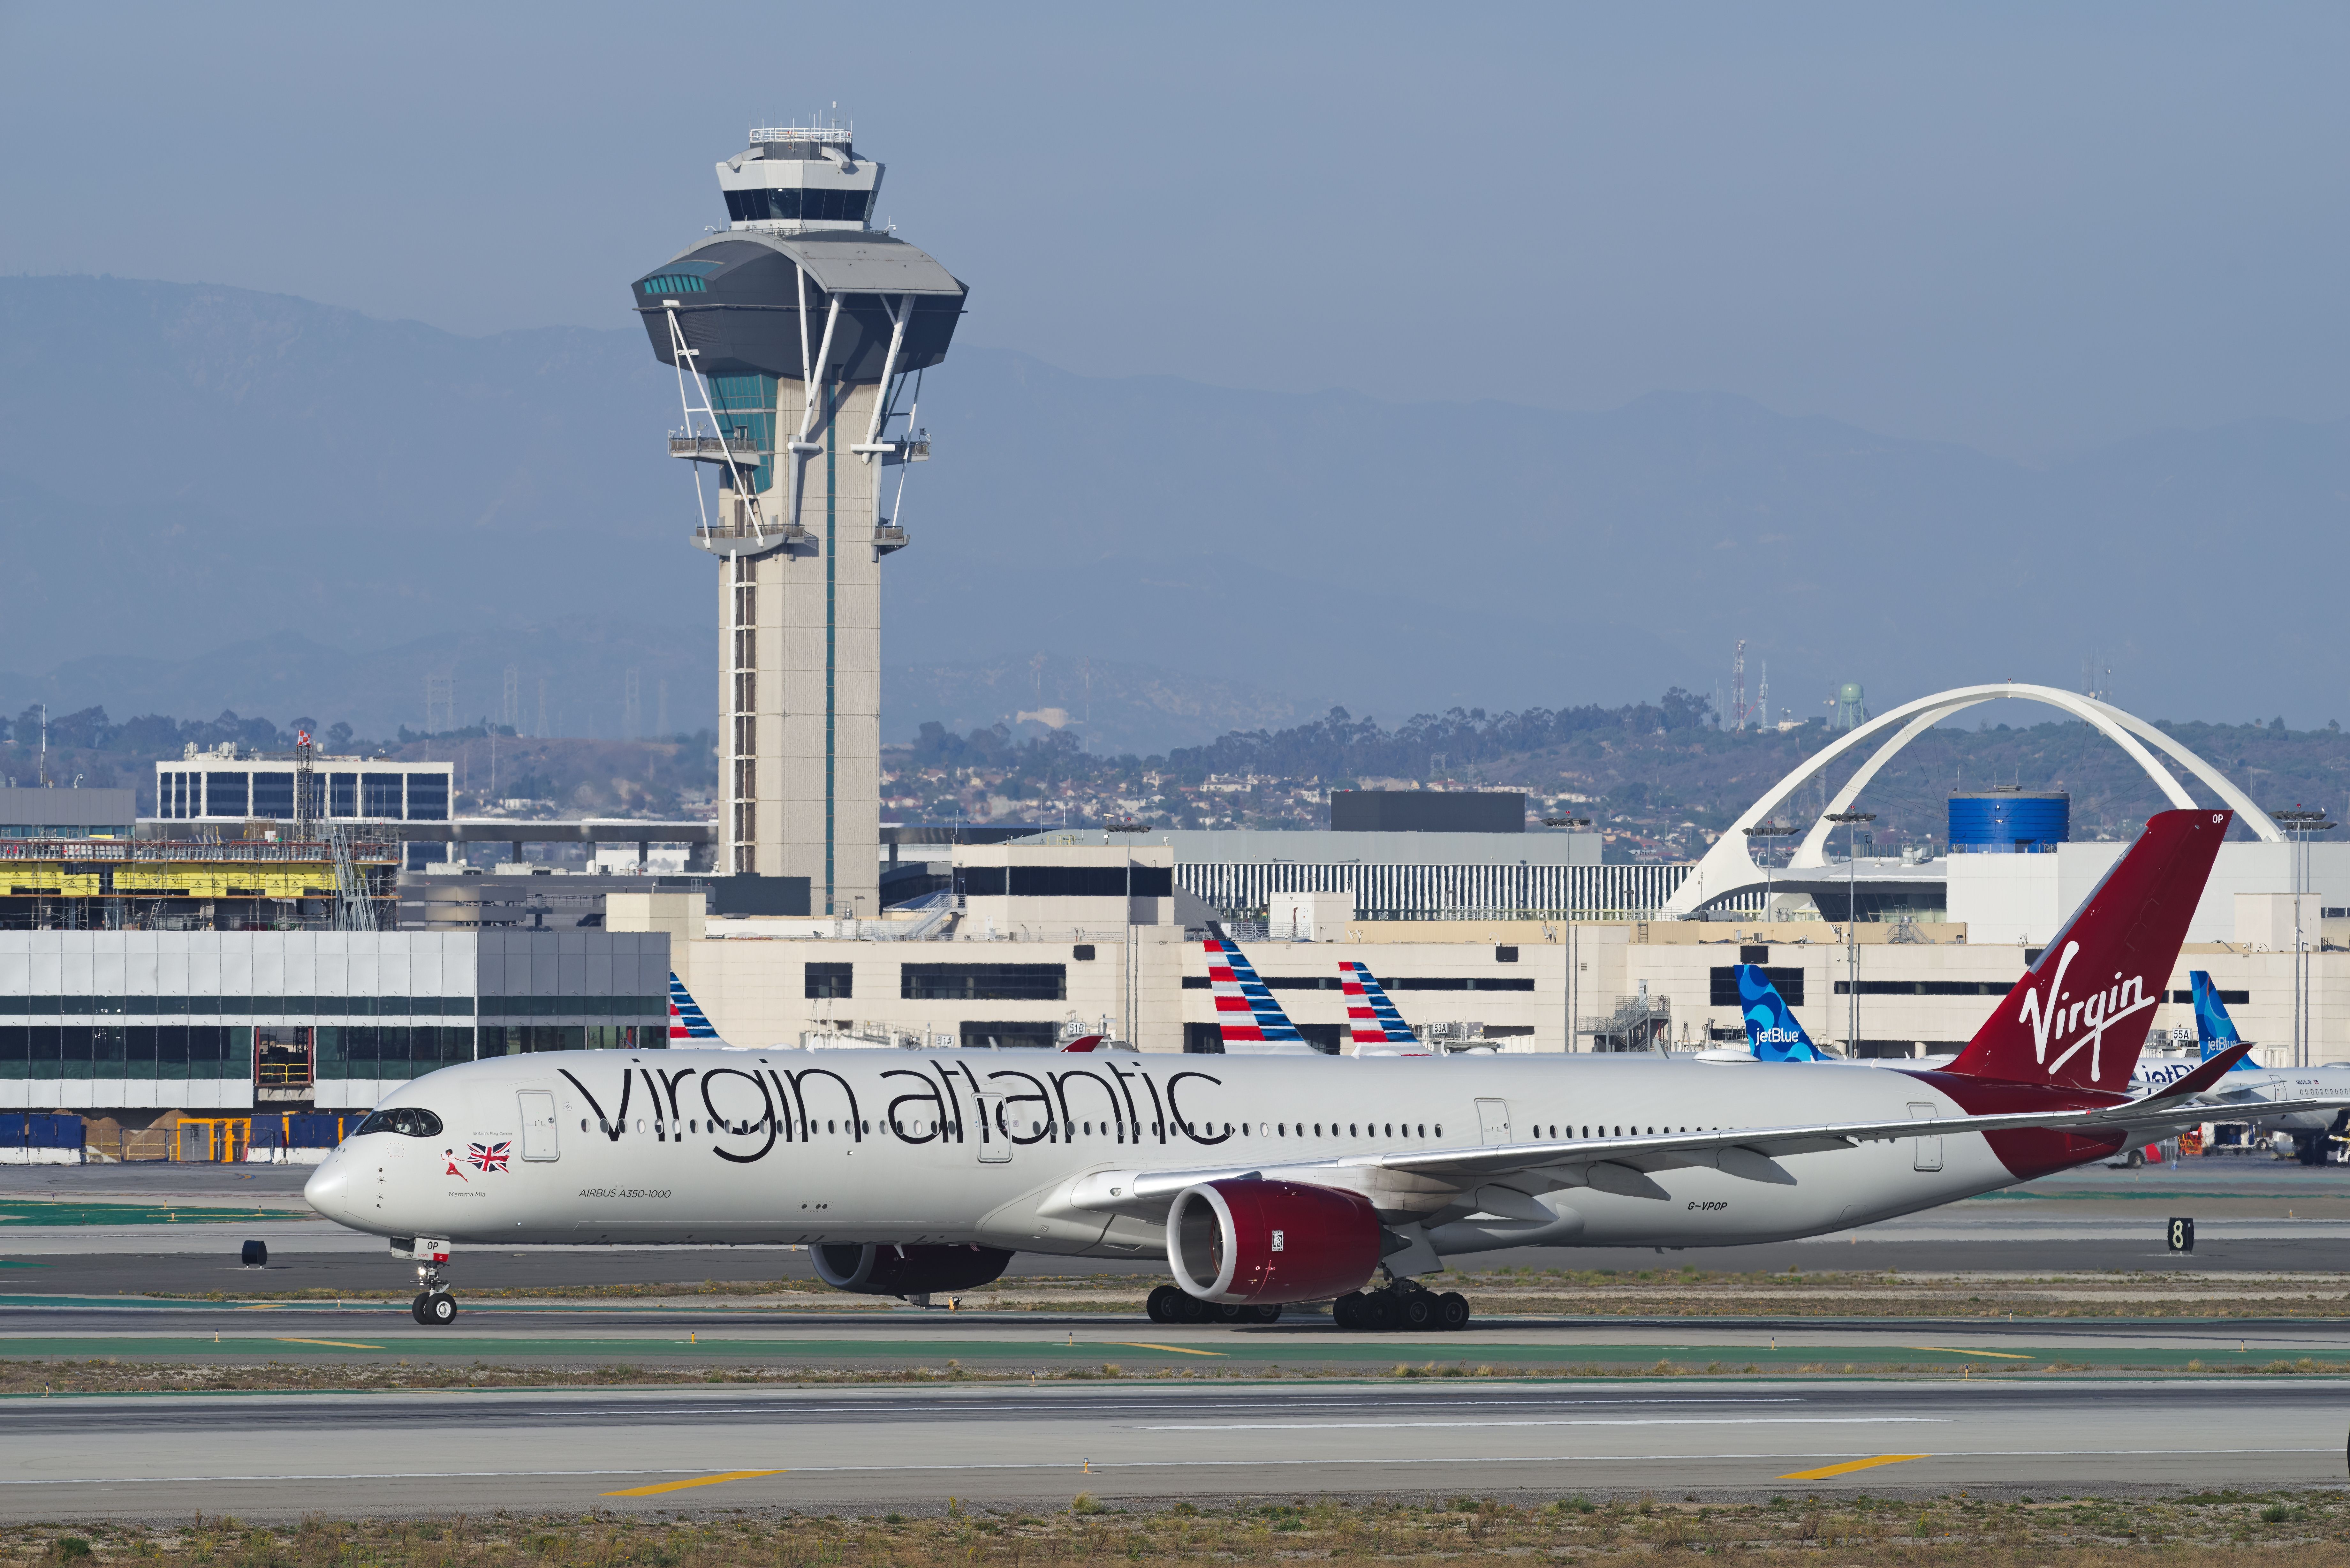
433, 1307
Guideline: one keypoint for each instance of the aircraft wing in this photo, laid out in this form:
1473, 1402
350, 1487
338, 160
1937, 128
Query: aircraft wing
1751, 1153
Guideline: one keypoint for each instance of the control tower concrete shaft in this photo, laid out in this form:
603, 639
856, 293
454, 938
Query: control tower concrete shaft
798, 336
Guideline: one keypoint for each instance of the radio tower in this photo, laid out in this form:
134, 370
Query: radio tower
798, 336
1738, 687
1763, 700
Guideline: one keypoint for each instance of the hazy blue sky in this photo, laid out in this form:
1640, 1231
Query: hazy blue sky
2024, 227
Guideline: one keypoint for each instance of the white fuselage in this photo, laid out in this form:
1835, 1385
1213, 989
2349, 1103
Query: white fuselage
706, 1147
2243, 1094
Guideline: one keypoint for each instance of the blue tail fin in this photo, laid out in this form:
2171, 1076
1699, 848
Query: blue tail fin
2214, 1030
1371, 1018
1772, 1030
687, 1027
1246, 1011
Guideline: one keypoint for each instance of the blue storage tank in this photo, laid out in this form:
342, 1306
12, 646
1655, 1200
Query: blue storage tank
2009, 821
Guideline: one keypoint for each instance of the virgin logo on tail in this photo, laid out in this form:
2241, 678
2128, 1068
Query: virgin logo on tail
2087, 1020
2101, 975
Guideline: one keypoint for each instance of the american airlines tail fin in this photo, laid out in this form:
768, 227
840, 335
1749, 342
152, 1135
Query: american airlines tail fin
2078, 1017
1251, 1021
687, 1027
2214, 1030
1371, 1018
1772, 1030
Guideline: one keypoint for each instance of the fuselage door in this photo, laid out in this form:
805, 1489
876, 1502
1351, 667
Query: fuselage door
539, 1140
1493, 1123
1928, 1150
994, 1140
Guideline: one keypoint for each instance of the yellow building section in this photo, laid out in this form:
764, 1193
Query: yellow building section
172, 879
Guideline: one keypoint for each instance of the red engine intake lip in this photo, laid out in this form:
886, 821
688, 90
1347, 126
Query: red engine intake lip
1236, 1243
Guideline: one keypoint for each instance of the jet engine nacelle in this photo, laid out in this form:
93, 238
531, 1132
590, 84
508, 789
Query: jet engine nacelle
887, 1270
1269, 1241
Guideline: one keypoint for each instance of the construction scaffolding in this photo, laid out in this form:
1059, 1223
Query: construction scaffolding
337, 883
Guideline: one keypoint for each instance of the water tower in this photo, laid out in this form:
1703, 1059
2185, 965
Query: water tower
1851, 705
798, 336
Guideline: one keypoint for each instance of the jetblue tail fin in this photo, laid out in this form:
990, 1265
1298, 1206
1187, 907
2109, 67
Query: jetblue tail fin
1772, 1030
2078, 1017
1249, 1017
1371, 1018
2214, 1030
687, 1027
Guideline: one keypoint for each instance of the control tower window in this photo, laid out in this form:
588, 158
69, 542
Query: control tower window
792, 205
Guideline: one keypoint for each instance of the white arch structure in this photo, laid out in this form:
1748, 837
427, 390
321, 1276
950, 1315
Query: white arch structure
1728, 866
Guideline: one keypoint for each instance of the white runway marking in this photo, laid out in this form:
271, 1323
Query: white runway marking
1619, 1421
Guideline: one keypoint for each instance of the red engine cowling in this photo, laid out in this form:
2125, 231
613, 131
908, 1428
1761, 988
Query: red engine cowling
1267, 1242
889, 1270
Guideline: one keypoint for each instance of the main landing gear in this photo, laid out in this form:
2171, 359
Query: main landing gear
1168, 1304
1403, 1304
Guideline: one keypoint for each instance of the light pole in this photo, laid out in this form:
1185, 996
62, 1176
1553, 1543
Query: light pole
1569, 822
2300, 826
1767, 830
1852, 821
1129, 827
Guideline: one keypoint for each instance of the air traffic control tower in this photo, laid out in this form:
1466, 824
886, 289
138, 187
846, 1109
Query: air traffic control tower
798, 336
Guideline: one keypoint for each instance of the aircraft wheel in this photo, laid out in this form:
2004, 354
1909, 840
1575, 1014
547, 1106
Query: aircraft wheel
1267, 1313
1192, 1309
1162, 1304
416, 1307
1346, 1312
1418, 1311
1452, 1312
2136, 1157
439, 1309
1379, 1314
1233, 1312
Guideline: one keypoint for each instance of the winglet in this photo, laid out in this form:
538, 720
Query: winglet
1083, 1043
2078, 1018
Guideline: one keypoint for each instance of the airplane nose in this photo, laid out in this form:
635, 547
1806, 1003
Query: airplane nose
329, 1188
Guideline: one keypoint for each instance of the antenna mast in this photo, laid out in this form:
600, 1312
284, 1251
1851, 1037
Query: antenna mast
1738, 686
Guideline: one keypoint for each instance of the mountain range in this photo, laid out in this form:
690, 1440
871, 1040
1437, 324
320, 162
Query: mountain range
217, 498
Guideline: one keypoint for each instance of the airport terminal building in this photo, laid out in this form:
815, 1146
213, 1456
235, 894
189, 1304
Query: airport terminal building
131, 1023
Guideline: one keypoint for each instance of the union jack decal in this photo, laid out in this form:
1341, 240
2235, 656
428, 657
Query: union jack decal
486, 1156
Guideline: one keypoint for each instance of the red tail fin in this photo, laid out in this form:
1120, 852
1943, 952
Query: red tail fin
2079, 1016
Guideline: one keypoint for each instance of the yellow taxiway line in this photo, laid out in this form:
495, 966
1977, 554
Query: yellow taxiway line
1954, 1350
1171, 1349
1824, 1471
698, 1481
337, 1344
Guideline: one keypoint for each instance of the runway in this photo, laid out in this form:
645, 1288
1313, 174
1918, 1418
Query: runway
774, 1343
179, 1227
281, 1458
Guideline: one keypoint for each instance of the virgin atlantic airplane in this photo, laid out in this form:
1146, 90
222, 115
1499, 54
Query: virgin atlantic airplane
1272, 1180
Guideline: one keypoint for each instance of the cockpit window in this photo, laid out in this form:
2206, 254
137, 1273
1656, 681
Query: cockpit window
412, 1121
